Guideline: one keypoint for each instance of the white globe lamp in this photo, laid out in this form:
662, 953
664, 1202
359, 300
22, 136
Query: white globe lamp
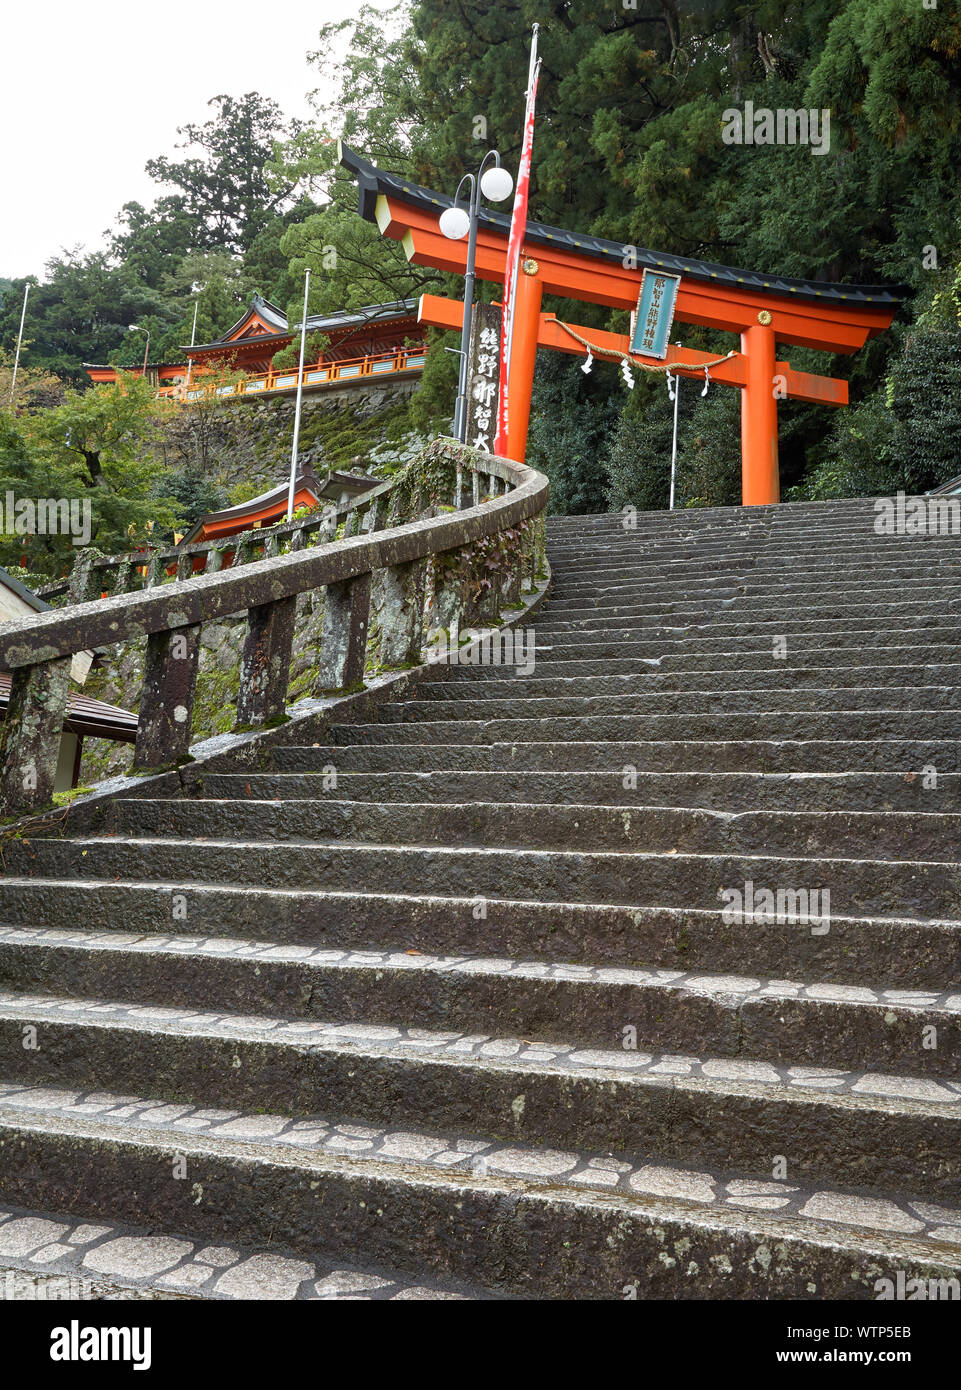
455, 223
496, 183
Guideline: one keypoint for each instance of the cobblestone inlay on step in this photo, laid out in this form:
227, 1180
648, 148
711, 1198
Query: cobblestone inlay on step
384, 1040
472, 1157
731, 990
74, 1258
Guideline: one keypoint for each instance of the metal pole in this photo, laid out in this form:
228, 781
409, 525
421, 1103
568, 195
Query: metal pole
146, 355
300, 393
460, 409
193, 339
16, 360
677, 397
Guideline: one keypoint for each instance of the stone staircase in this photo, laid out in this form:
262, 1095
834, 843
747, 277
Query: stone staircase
470, 1016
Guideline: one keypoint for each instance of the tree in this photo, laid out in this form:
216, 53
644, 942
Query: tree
708, 455
97, 446
81, 313
224, 190
573, 416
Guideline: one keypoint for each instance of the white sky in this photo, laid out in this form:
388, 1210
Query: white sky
91, 92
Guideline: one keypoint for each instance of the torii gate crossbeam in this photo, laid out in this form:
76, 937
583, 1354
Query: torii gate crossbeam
762, 310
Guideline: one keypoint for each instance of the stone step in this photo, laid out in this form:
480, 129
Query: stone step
904, 953
701, 519
858, 886
879, 835
737, 618
807, 541
859, 582
632, 605
862, 582
536, 1224
776, 755
799, 634
646, 571
838, 665
792, 513
675, 644
780, 1021
859, 1128
736, 550
794, 698
724, 791
52, 1255
789, 515
879, 723
806, 569
640, 600
506, 682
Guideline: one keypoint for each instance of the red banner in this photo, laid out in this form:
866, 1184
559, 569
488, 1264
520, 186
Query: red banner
512, 264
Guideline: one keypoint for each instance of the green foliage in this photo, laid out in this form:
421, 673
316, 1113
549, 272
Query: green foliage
92, 448
193, 493
858, 459
344, 439
708, 452
906, 435
224, 190
572, 418
924, 390
290, 356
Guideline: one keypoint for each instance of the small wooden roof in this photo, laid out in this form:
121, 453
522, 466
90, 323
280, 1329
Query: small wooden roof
85, 716
269, 507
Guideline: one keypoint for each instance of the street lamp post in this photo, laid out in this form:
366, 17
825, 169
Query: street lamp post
134, 328
456, 222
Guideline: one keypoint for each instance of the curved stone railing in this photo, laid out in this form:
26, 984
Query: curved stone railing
450, 565
95, 575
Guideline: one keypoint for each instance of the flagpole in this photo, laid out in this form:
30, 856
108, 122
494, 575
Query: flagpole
16, 360
300, 395
518, 230
677, 397
515, 268
193, 339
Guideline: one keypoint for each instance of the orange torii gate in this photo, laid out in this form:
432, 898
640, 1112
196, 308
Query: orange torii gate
762, 310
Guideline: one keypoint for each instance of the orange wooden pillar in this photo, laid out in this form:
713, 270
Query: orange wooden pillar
527, 311
760, 483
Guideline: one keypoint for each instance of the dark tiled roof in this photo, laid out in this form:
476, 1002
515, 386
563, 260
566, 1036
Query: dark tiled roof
135, 367
85, 716
316, 323
372, 181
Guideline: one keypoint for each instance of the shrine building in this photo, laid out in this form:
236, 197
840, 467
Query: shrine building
379, 340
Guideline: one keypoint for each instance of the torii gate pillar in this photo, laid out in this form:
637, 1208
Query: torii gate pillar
527, 317
760, 482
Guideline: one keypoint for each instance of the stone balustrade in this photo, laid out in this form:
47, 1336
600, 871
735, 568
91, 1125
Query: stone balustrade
452, 563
